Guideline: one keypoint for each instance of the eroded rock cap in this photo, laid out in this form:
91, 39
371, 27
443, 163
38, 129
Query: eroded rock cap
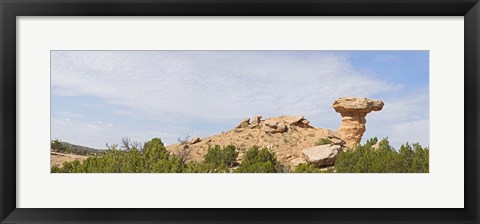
357, 104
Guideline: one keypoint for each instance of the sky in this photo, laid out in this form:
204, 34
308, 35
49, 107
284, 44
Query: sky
98, 97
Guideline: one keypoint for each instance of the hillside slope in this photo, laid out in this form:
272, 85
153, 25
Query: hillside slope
286, 136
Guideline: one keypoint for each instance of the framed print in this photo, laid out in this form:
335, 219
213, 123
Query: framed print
246, 112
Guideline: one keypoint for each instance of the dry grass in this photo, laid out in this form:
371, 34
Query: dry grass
57, 159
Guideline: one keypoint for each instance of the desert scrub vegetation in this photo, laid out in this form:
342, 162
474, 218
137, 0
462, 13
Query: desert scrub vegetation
65, 147
323, 141
306, 168
379, 157
372, 157
376, 157
258, 160
153, 158
217, 160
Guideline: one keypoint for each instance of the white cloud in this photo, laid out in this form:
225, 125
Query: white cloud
404, 119
98, 134
209, 84
177, 87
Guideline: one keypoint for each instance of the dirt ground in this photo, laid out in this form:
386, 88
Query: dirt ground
57, 159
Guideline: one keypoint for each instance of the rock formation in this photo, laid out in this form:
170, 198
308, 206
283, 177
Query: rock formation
256, 120
244, 123
291, 138
353, 111
273, 126
195, 140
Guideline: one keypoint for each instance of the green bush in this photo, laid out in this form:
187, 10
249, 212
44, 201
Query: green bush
217, 160
154, 158
218, 156
259, 161
384, 159
58, 146
324, 141
306, 168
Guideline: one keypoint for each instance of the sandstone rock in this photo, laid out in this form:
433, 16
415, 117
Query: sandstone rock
332, 134
305, 122
322, 155
272, 126
337, 141
281, 124
357, 105
195, 140
353, 111
244, 123
290, 120
295, 162
252, 126
270, 123
256, 120
281, 127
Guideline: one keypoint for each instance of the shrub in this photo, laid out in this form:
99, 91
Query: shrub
59, 146
384, 159
154, 158
306, 168
324, 141
218, 159
259, 161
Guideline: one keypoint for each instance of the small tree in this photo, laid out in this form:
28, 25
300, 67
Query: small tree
259, 161
184, 152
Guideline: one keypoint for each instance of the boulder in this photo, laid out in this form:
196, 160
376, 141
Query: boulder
270, 123
244, 123
295, 162
291, 120
322, 155
281, 127
256, 120
195, 140
305, 122
272, 126
337, 141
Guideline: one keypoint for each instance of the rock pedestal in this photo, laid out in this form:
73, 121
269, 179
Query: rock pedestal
353, 111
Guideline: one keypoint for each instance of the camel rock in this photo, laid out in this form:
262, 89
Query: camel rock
353, 111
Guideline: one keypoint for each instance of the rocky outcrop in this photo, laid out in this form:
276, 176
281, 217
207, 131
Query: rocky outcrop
244, 123
297, 161
256, 120
195, 140
283, 123
353, 111
322, 155
273, 126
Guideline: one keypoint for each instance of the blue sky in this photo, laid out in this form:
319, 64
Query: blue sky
98, 97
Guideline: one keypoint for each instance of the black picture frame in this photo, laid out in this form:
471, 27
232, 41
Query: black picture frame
10, 9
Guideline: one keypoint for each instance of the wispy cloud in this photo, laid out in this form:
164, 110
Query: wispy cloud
403, 119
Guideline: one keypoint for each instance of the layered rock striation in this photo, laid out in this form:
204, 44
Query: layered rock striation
353, 111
